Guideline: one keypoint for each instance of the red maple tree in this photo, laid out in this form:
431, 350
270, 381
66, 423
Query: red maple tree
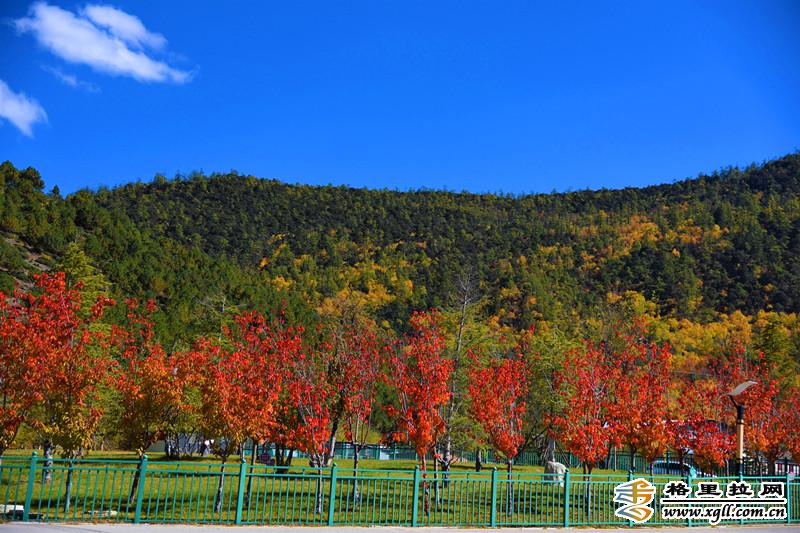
586, 387
641, 394
360, 352
707, 424
708, 415
240, 379
76, 363
793, 406
497, 392
74, 366
151, 386
768, 418
23, 362
50, 357
420, 376
680, 427
150, 383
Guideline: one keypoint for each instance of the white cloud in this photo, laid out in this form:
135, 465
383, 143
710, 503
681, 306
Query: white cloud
127, 27
71, 80
100, 37
19, 109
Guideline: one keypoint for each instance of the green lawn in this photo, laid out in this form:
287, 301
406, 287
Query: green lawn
366, 464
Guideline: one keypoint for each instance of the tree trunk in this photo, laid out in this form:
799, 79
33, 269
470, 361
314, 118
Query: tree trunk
134, 487
633, 459
587, 470
448, 459
435, 482
551, 449
510, 489
250, 477
318, 501
478, 464
331, 450
68, 496
280, 455
283, 458
356, 493
426, 507
220, 489
47, 473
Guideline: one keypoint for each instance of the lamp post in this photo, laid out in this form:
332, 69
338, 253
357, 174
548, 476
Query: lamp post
740, 388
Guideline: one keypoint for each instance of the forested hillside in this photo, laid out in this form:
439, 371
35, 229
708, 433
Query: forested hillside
206, 245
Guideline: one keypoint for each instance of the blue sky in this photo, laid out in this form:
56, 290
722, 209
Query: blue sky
481, 96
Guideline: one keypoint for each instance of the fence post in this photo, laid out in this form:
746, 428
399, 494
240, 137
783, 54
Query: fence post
26, 512
741, 478
415, 505
630, 478
493, 513
788, 498
689, 483
332, 495
240, 494
566, 498
137, 513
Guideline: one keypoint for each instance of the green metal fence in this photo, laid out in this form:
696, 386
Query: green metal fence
616, 460
238, 493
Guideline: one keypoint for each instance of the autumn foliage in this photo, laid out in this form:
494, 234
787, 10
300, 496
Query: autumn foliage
23, 362
420, 375
497, 393
639, 413
69, 357
239, 379
264, 380
151, 384
586, 386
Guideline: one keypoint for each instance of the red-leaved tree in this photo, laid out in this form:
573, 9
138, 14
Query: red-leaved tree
361, 354
586, 387
680, 428
707, 412
793, 401
75, 365
708, 425
420, 375
768, 419
239, 379
151, 386
23, 362
311, 396
641, 403
497, 392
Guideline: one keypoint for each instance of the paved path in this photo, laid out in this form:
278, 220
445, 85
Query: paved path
159, 528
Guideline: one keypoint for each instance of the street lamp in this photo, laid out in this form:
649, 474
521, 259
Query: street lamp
740, 388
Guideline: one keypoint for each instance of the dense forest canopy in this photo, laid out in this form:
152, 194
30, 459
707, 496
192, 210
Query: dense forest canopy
205, 246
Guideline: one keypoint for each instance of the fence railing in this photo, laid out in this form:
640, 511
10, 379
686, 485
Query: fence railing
617, 460
240, 493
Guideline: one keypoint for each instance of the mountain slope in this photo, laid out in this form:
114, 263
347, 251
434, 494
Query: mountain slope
729, 241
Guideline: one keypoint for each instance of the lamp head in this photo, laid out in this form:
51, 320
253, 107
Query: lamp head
741, 387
